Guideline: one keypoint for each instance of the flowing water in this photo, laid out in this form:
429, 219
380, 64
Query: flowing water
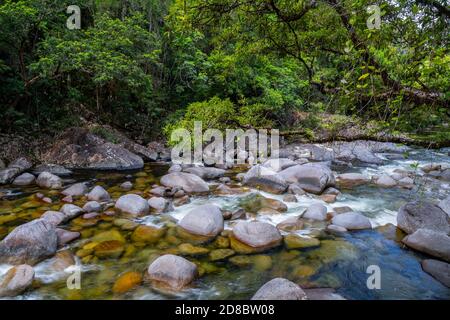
340, 262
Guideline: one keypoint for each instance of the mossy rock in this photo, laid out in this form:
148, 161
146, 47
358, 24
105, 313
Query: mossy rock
241, 261
303, 271
125, 224
193, 238
109, 249
222, 242
294, 241
188, 249
262, 262
148, 234
334, 250
84, 222
255, 202
220, 254
112, 234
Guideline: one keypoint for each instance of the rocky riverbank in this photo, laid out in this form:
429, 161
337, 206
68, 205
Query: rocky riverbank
309, 225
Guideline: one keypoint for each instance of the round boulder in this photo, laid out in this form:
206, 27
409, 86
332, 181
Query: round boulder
172, 271
280, 289
132, 204
421, 214
205, 220
352, 221
49, 181
190, 183
258, 235
16, 280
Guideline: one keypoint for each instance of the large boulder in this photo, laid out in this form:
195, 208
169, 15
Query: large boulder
49, 181
280, 289
350, 180
55, 169
310, 177
24, 179
436, 244
445, 205
205, 220
16, 280
15, 168
75, 190
53, 217
189, 182
132, 204
265, 178
172, 272
280, 164
29, 243
352, 221
421, 214
77, 148
206, 173
316, 211
438, 269
257, 235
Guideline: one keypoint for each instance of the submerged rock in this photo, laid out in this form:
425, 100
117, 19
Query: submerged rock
438, 269
294, 241
255, 202
205, 220
127, 281
172, 271
280, 289
148, 234
16, 280
190, 183
436, 244
422, 214
49, 181
352, 221
132, 204
312, 178
29, 243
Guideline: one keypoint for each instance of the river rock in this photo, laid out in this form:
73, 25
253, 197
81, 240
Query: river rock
316, 211
294, 241
71, 211
92, 206
160, 204
49, 181
16, 280
220, 254
257, 235
98, 193
189, 182
205, 220
265, 179
65, 236
295, 188
172, 271
77, 148
280, 289
29, 243
127, 281
323, 294
206, 173
436, 244
445, 205
350, 180
437, 269
133, 204
76, 190
148, 234
109, 249
24, 179
422, 214
53, 217
352, 221
332, 228
255, 202
280, 164
55, 169
291, 224
15, 168
310, 177
386, 181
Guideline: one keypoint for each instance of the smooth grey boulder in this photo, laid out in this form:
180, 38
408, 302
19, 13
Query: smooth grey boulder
159, 204
386, 181
264, 178
439, 270
422, 215
206, 173
205, 220
257, 234
75, 190
436, 244
24, 179
172, 271
98, 193
352, 221
29, 243
310, 177
53, 217
445, 205
316, 211
71, 211
16, 280
15, 168
189, 182
92, 206
280, 289
278, 165
132, 204
49, 181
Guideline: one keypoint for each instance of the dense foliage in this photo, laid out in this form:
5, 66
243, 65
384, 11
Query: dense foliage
144, 65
